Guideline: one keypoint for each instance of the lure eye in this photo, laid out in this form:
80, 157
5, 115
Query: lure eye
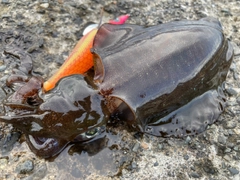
89, 28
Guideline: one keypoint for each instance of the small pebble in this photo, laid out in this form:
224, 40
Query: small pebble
134, 165
5, 2
125, 174
144, 145
136, 146
229, 124
193, 168
188, 139
160, 146
232, 91
226, 12
3, 163
223, 165
233, 171
170, 143
9, 140
2, 94
236, 49
155, 164
227, 157
222, 139
25, 167
44, 5
194, 175
230, 144
235, 76
209, 170
227, 150
231, 132
236, 148
20, 23
233, 67
171, 174
5, 16
186, 157
39, 172
32, 48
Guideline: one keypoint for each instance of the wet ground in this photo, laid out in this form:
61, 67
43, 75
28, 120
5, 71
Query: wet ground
50, 29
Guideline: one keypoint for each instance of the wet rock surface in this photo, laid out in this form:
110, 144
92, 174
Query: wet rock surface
48, 30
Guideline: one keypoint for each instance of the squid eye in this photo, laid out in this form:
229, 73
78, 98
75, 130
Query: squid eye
89, 28
93, 132
86, 136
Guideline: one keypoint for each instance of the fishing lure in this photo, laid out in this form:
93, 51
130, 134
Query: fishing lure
80, 60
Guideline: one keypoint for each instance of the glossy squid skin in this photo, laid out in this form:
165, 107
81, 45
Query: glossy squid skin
147, 76
66, 114
162, 68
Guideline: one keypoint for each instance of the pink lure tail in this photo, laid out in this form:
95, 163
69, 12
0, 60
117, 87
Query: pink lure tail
120, 20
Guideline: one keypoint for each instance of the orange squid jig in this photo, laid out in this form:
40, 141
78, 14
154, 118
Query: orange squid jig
81, 59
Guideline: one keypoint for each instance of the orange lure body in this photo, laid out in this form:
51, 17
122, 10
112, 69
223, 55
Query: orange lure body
81, 59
